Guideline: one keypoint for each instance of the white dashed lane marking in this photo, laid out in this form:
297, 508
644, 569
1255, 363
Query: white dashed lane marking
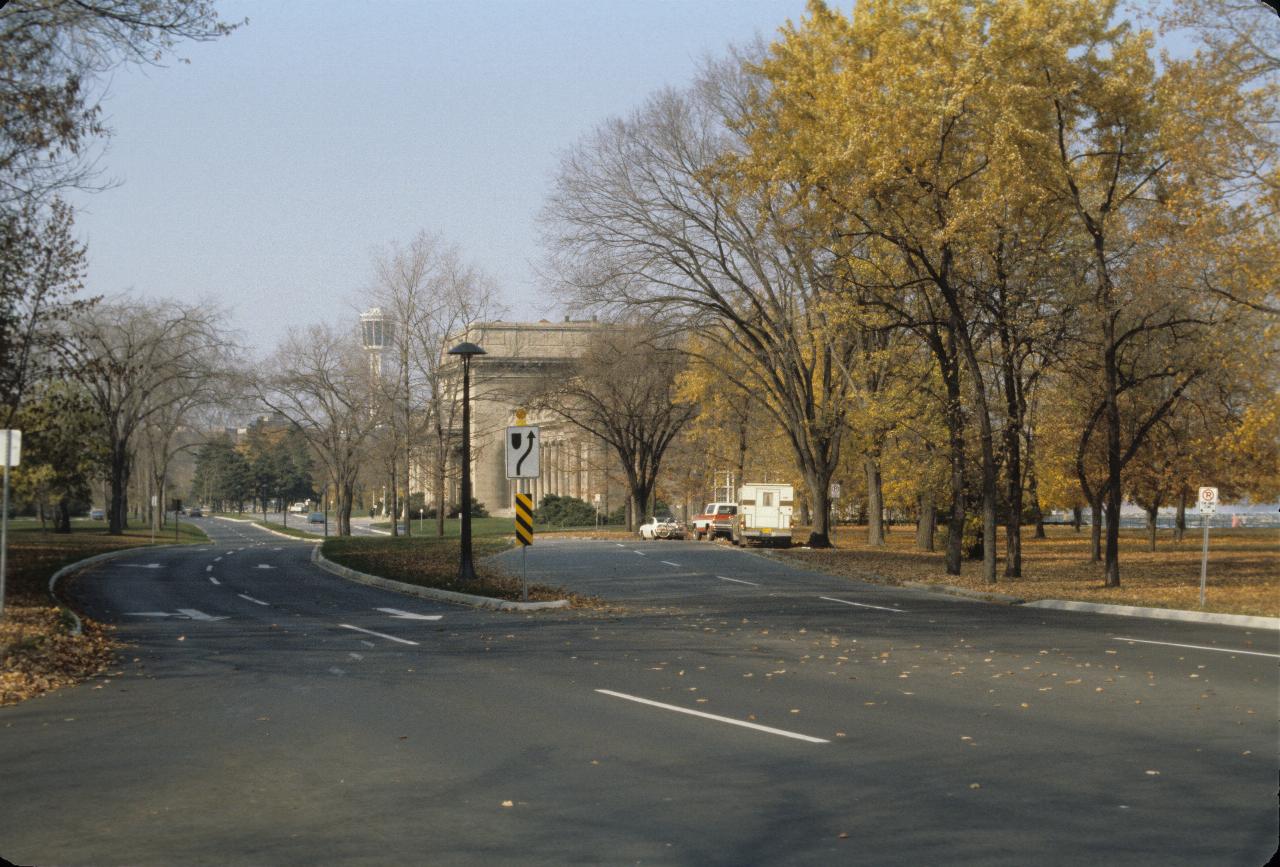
862, 605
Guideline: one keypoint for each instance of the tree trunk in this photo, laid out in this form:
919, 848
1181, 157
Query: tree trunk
928, 519
955, 522
62, 517
1095, 529
819, 488
1077, 517
1152, 513
875, 501
439, 485
118, 508
1013, 488
1180, 526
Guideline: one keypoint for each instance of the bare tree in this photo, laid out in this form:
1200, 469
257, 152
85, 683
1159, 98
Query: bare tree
53, 52
322, 384
623, 390
432, 294
138, 360
643, 219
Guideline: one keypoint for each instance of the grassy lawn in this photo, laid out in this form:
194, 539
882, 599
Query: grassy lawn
37, 652
1243, 577
429, 561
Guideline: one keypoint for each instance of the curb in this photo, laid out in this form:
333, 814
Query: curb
79, 565
430, 592
269, 530
1001, 598
1244, 620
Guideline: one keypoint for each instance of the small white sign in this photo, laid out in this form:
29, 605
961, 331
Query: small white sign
522, 447
11, 442
1208, 500
835, 490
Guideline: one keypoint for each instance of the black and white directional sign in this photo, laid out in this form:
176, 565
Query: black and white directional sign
522, 451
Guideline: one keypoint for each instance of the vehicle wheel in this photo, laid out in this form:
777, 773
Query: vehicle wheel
662, 533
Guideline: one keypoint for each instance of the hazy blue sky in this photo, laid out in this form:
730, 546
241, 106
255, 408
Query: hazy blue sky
266, 171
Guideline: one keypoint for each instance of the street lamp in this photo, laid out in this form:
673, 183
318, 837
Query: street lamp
466, 571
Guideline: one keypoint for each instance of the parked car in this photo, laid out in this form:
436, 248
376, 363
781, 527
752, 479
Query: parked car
716, 520
196, 512
97, 515
663, 527
764, 514
315, 518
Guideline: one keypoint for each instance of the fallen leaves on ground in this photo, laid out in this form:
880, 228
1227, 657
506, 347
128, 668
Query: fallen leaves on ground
38, 653
1242, 578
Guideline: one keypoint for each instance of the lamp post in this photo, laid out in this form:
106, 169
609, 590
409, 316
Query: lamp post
466, 570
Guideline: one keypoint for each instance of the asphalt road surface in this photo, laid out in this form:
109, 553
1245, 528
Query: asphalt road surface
727, 710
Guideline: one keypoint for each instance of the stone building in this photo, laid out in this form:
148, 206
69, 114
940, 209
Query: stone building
520, 358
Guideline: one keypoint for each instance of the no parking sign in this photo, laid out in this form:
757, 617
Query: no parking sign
1208, 500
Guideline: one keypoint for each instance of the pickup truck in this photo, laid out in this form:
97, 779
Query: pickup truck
716, 520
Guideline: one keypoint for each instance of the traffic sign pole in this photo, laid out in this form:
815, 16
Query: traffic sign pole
524, 535
1208, 502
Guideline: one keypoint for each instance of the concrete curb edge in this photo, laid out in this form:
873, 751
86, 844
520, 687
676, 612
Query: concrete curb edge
1242, 620
315, 541
429, 592
79, 565
1002, 598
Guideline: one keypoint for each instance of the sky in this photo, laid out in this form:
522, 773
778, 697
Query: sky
267, 171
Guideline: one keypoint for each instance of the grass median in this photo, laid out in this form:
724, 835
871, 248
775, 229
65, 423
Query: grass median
431, 561
1243, 577
38, 653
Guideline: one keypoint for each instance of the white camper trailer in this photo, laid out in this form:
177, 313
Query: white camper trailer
764, 514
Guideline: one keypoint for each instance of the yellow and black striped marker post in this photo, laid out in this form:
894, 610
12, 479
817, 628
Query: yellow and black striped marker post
524, 533
524, 519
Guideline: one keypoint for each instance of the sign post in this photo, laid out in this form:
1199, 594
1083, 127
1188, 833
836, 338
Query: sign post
1208, 500
12, 456
524, 535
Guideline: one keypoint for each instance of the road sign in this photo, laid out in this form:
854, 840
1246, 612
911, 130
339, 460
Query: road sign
524, 519
522, 451
835, 490
1208, 501
11, 446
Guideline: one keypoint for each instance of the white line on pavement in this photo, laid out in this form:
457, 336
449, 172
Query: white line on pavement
620, 545
251, 599
737, 581
1199, 647
208, 568
379, 634
213, 580
862, 605
641, 553
669, 563
711, 716
216, 559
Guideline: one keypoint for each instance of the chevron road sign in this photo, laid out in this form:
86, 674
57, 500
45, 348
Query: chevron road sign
524, 519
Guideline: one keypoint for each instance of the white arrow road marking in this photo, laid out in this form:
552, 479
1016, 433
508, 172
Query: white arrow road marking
408, 615
264, 566
863, 605
737, 581
181, 614
378, 634
251, 599
711, 716
1200, 647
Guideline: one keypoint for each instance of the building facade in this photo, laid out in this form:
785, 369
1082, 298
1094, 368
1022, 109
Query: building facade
520, 360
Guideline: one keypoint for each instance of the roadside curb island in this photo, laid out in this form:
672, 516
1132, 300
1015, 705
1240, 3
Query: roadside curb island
429, 592
317, 540
1247, 621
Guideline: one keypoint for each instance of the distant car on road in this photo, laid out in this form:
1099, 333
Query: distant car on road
97, 515
315, 518
196, 513
662, 527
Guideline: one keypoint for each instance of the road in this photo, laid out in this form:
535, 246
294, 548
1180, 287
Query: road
728, 710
